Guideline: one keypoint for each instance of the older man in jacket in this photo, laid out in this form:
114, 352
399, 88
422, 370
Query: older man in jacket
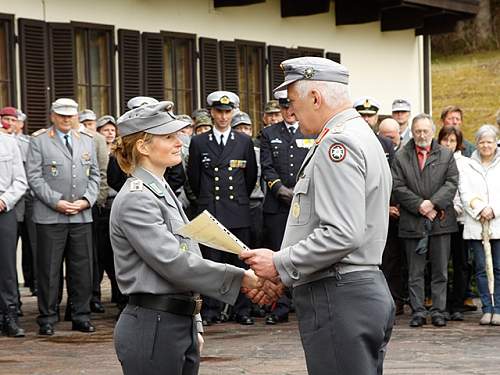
425, 182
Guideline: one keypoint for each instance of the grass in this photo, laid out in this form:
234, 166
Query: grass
470, 81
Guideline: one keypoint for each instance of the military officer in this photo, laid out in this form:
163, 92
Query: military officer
401, 110
336, 229
272, 113
160, 271
283, 149
12, 187
64, 177
222, 171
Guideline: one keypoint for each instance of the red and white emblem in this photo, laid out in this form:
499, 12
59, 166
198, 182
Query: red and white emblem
337, 152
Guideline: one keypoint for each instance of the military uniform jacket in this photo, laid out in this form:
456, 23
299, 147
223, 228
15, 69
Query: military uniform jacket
281, 156
13, 183
150, 257
223, 181
340, 207
53, 174
438, 182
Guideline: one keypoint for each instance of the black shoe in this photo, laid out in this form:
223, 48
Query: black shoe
457, 316
11, 329
85, 326
438, 321
19, 311
417, 321
244, 320
46, 330
400, 308
96, 307
274, 319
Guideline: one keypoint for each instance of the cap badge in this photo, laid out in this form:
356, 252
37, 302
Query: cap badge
225, 100
337, 152
367, 104
309, 73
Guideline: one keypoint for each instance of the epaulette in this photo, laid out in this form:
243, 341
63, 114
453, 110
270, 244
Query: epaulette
23, 139
38, 132
136, 185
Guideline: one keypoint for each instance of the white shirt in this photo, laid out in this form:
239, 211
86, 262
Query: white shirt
217, 135
295, 126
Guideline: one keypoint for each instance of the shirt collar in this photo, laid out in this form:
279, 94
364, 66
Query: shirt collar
427, 148
61, 135
218, 133
295, 125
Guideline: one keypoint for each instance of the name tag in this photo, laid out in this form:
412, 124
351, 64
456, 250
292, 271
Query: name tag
276, 140
305, 143
238, 163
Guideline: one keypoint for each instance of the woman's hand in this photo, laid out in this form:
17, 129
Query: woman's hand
250, 280
201, 342
487, 214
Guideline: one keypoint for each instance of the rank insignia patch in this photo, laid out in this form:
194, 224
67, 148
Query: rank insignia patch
337, 152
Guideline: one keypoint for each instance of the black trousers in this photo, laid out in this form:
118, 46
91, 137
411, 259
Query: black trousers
395, 268
345, 325
150, 342
103, 254
212, 307
8, 275
456, 289
257, 224
27, 232
53, 240
274, 230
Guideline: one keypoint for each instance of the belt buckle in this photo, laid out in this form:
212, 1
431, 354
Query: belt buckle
198, 302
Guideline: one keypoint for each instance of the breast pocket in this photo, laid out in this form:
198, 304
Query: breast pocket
53, 169
300, 211
6, 162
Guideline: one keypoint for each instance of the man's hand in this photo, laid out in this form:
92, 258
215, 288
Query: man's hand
66, 207
394, 212
425, 207
250, 280
267, 293
261, 261
82, 204
3, 206
431, 215
487, 214
285, 195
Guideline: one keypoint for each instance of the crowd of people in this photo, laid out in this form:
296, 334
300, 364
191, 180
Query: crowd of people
57, 189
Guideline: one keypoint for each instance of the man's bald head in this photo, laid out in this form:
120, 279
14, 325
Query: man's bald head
390, 128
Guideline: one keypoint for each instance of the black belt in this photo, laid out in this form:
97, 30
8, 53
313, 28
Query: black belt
175, 304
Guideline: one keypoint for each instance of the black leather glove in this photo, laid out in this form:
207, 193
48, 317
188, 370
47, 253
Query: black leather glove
285, 195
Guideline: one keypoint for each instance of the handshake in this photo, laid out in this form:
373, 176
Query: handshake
261, 283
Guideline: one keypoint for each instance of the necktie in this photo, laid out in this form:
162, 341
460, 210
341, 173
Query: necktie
422, 158
292, 130
68, 146
221, 144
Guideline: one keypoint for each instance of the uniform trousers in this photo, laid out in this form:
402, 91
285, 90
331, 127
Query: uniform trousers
345, 323
53, 241
8, 274
274, 229
395, 269
150, 342
27, 231
439, 254
212, 307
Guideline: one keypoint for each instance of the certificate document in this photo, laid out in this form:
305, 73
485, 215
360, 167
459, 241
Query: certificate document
208, 231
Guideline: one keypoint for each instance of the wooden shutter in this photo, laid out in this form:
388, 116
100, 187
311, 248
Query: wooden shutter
275, 55
209, 67
33, 47
130, 72
10, 56
307, 51
152, 44
229, 59
334, 56
293, 53
62, 58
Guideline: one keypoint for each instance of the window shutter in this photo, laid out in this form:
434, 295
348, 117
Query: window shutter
276, 55
229, 57
153, 65
62, 58
316, 52
130, 73
293, 53
33, 47
334, 56
209, 67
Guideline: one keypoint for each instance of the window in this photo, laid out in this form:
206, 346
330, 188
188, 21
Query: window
179, 71
94, 72
6, 64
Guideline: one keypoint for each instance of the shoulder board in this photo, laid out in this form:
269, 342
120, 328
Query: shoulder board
339, 128
155, 189
22, 139
87, 133
38, 132
136, 185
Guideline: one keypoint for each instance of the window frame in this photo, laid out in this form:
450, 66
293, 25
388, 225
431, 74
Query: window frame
110, 30
9, 19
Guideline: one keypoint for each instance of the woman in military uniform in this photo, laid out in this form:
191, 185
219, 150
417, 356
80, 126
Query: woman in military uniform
159, 331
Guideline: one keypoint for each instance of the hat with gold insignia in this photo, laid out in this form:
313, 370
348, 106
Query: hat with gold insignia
223, 100
366, 105
312, 69
157, 119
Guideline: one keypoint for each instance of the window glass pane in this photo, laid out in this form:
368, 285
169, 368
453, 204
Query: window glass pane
184, 102
99, 57
4, 64
184, 69
168, 58
82, 97
81, 48
100, 100
169, 95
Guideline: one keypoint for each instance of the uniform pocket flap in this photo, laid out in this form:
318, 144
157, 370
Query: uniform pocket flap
302, 186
